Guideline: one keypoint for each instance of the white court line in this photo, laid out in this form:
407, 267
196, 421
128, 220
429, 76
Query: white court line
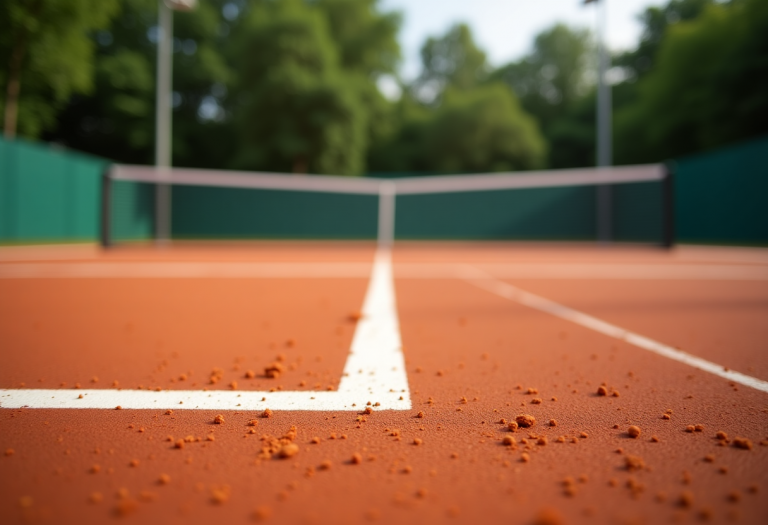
487, 282
343, 270
375, 372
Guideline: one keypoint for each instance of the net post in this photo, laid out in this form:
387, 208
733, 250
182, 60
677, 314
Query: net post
668, 190
105, 234
386, 233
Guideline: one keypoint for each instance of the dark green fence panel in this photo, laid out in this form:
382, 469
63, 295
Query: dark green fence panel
541, 213
47, 194
638, 212
132, 211
200, 212
722, 196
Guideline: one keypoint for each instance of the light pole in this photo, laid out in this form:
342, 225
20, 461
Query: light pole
604, 132
164, 112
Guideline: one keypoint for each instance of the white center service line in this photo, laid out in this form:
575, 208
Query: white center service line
500, 288
375, 372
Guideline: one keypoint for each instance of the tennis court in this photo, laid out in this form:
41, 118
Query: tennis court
345, 381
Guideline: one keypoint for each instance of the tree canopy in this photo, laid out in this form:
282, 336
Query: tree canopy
49, 54
292, 86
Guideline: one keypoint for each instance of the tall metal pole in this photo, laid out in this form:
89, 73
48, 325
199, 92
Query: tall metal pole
163, 122
604, 129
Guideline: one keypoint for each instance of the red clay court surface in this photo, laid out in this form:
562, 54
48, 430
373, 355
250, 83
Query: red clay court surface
173, 318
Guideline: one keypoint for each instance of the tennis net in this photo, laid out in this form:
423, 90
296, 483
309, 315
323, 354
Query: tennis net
538, 205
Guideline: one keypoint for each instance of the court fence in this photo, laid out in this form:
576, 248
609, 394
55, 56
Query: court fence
50, 195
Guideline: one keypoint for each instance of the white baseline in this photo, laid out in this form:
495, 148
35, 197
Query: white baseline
375, 372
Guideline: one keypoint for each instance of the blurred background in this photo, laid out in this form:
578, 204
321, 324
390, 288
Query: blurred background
391, 88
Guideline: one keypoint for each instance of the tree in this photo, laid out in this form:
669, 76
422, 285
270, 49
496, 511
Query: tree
117, 119
365, 38
300, 112
49, 54
656, 20
552, 82
450, 60
482, 130
708, 87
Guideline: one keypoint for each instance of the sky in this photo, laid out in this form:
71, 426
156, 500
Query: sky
505, 29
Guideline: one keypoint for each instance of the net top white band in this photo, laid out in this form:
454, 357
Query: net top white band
401, 186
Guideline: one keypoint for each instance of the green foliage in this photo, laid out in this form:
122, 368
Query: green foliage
366, 39
471, 131
656, 20
300, 111
482, 130
708, 87
46, 46
552, 82
452, 60
117, 120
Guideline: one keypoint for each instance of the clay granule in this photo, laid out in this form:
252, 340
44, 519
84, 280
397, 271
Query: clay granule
126, 507
9, 452
532, 391
699, 428
666, 416
512, 426
734, 496
583, 435
723, 470
742, 443
721, 435
548, 517
686, 499
325, 465
164, 479
134, 463
560, 439
542, 440
219, 420
525, 420
407, 469
654, 439
420, 415
262, 513
267, 413
508, 440
633, 463
574, 440
454, 455
525, 457
288, 450
709, 458
602, 391
633, 431
536, 401
356, 459
552, 423
96, 497
690, 428
219, 496
417, 441
95, 469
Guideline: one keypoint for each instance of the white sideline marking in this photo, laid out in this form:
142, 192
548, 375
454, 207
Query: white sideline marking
485, 281
375, 372
342, 270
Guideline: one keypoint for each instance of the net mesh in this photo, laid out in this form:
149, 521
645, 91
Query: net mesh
546, 205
